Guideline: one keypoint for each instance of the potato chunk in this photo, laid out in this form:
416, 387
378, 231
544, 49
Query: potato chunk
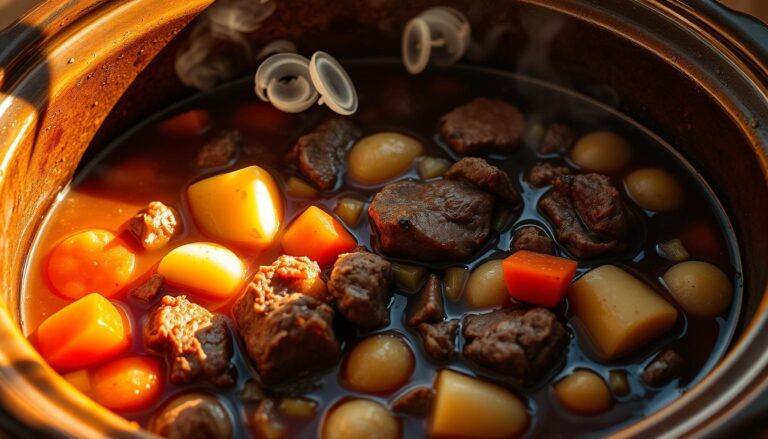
584, 392
242, 207
210, 270
619, 312
601, 151
381, 157
700, 288
469, 407
486, 287
360, 418
379, 364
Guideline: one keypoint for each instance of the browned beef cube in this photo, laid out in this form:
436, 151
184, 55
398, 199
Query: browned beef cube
557, 140
197, 343
481, 125
543, 174
286, 333
147, 291
668, 365
587, 213
522, 343
486, 177
193, 416
320, 154
154, 226
427, 305
442, 220
360, 284
532, 239
220, 150
416, 401
439, 339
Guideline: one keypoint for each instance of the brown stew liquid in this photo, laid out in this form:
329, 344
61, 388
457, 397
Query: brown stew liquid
145, 165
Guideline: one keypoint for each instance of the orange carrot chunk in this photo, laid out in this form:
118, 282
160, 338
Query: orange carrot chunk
90, 261
127, 384
538, 278
189, 123
83, 333
318, 236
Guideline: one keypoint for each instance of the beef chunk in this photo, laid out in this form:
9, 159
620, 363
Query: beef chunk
439, 338
286, 333
193, 416
668, 365
416, 401
543, 174
597, 203
557, 140
482, 124
519, 342
197, 343
266, 422
486, 177
427, 305
442, 220
320, 154
587, 213
360, 284
147, 291
532, 239
154, 226
220, 150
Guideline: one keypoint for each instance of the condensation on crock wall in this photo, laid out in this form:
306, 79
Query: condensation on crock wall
219, 49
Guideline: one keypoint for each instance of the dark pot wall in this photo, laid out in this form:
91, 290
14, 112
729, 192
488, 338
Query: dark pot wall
699, 91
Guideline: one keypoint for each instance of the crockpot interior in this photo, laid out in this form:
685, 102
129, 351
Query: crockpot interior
673, 80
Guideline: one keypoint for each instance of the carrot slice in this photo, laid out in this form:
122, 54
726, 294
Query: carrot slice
83, 333
127, 384
318, 236
90, 261
538, 278
189, 123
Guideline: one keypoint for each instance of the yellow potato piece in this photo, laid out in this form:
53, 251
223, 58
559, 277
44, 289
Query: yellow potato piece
700, 288
360, 418
210, 270
486, 287
379, 363
242, 207
584, 392
469, 407
619, 312
382, 156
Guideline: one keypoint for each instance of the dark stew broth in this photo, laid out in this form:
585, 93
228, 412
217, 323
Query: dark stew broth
147, 164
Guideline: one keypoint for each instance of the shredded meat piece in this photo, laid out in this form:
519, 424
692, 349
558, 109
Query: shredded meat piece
154, 226
360, 283
439, 338
147, 291
543, 174
320, 153
274, 317
557, 140
220, 150
587, 213
196, 342
482, 124
416, 401
486, 177
520, 342
532, 239
668, 365
442, 220
427, 305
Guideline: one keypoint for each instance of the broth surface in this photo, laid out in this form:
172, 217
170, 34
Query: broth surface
146, 165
